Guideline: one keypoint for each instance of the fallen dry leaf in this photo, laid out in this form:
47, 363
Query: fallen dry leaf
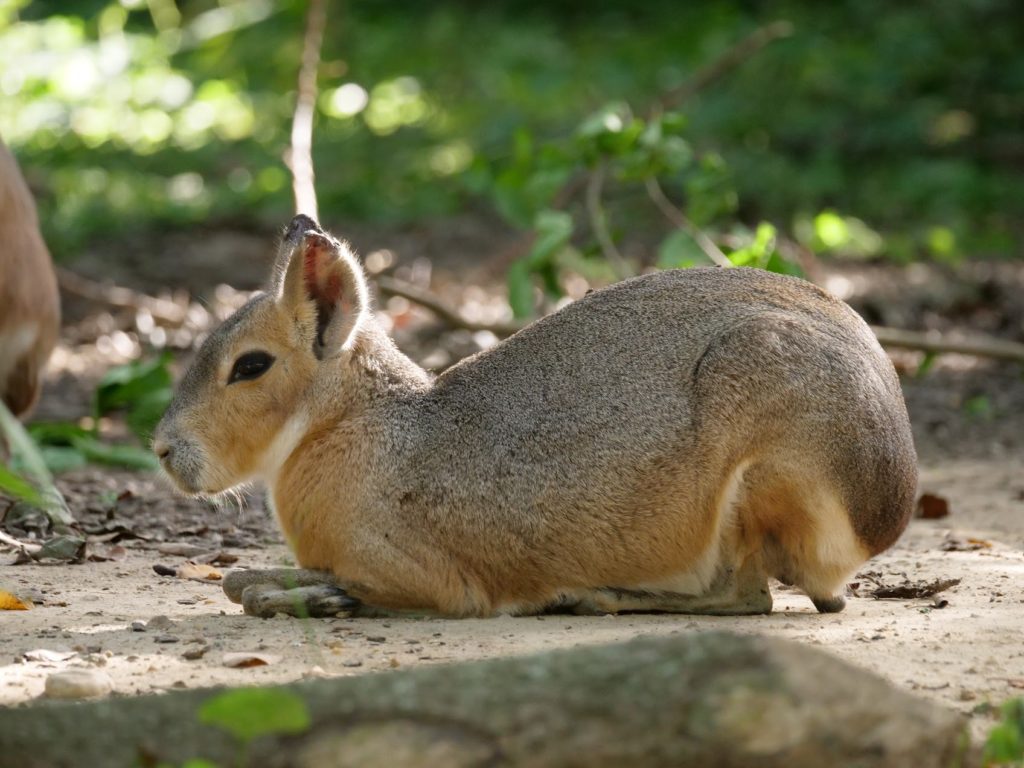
9, 602
216, 558
932, 507
189, 570
64, 547
112, 553
199, 571
244, 660
183, 550
45, 654
969, 545
905, 589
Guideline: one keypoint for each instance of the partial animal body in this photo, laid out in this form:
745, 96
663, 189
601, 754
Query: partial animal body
29, 301
666, 444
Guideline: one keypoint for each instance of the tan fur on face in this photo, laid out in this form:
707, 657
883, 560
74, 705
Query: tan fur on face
266, 404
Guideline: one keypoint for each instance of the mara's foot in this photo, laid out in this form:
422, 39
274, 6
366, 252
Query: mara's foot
833, 604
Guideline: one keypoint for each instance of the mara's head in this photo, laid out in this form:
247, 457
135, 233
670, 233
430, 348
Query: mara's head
239, 409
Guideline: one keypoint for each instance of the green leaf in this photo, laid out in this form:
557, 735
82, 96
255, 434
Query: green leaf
25, 453
63, 547
979, 407
127, 384
56, 432
553, 230
780, 264
248, 713
147, 412
758, 252
679, 251
61, 458
129, 456
17, 486
1003, 745
610, 118
926, 364
520, 289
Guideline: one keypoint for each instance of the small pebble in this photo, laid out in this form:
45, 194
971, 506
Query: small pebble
160, 623
138, 626
77, 684
165, 639
352, 663
375, 638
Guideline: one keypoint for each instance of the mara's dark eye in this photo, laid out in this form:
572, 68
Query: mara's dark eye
250, 366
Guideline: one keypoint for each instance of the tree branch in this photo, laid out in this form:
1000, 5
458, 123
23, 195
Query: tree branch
448, 315
977, 346
162, 310
599, 222
300, 155
726, 62
677, 217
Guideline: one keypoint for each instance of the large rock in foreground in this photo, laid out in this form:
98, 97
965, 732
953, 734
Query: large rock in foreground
697, 700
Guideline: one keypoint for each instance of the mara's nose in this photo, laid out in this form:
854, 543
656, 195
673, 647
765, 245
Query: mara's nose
162, 449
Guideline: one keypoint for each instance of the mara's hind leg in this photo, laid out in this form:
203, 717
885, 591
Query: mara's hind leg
808, 540
741, 591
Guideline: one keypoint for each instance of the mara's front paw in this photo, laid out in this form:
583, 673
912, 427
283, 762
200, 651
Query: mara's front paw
237, 581
315, 601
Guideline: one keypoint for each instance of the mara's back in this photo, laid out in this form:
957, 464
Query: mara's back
627, 370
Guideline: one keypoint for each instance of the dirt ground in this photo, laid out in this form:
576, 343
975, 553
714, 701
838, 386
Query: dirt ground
962, 647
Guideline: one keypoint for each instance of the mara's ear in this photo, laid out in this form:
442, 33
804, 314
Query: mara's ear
323, 277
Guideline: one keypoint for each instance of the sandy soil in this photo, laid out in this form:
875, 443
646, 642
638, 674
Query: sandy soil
961, 655
962, 649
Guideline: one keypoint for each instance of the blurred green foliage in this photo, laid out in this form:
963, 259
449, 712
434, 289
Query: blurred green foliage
876, 128
1004, 745
24, 474
139, 391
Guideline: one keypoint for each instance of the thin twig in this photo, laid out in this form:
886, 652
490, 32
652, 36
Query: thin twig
726, 62
301, 165
599, 222
162, 310
13, 542
977, 346
449, 315
680, 220
300, 155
